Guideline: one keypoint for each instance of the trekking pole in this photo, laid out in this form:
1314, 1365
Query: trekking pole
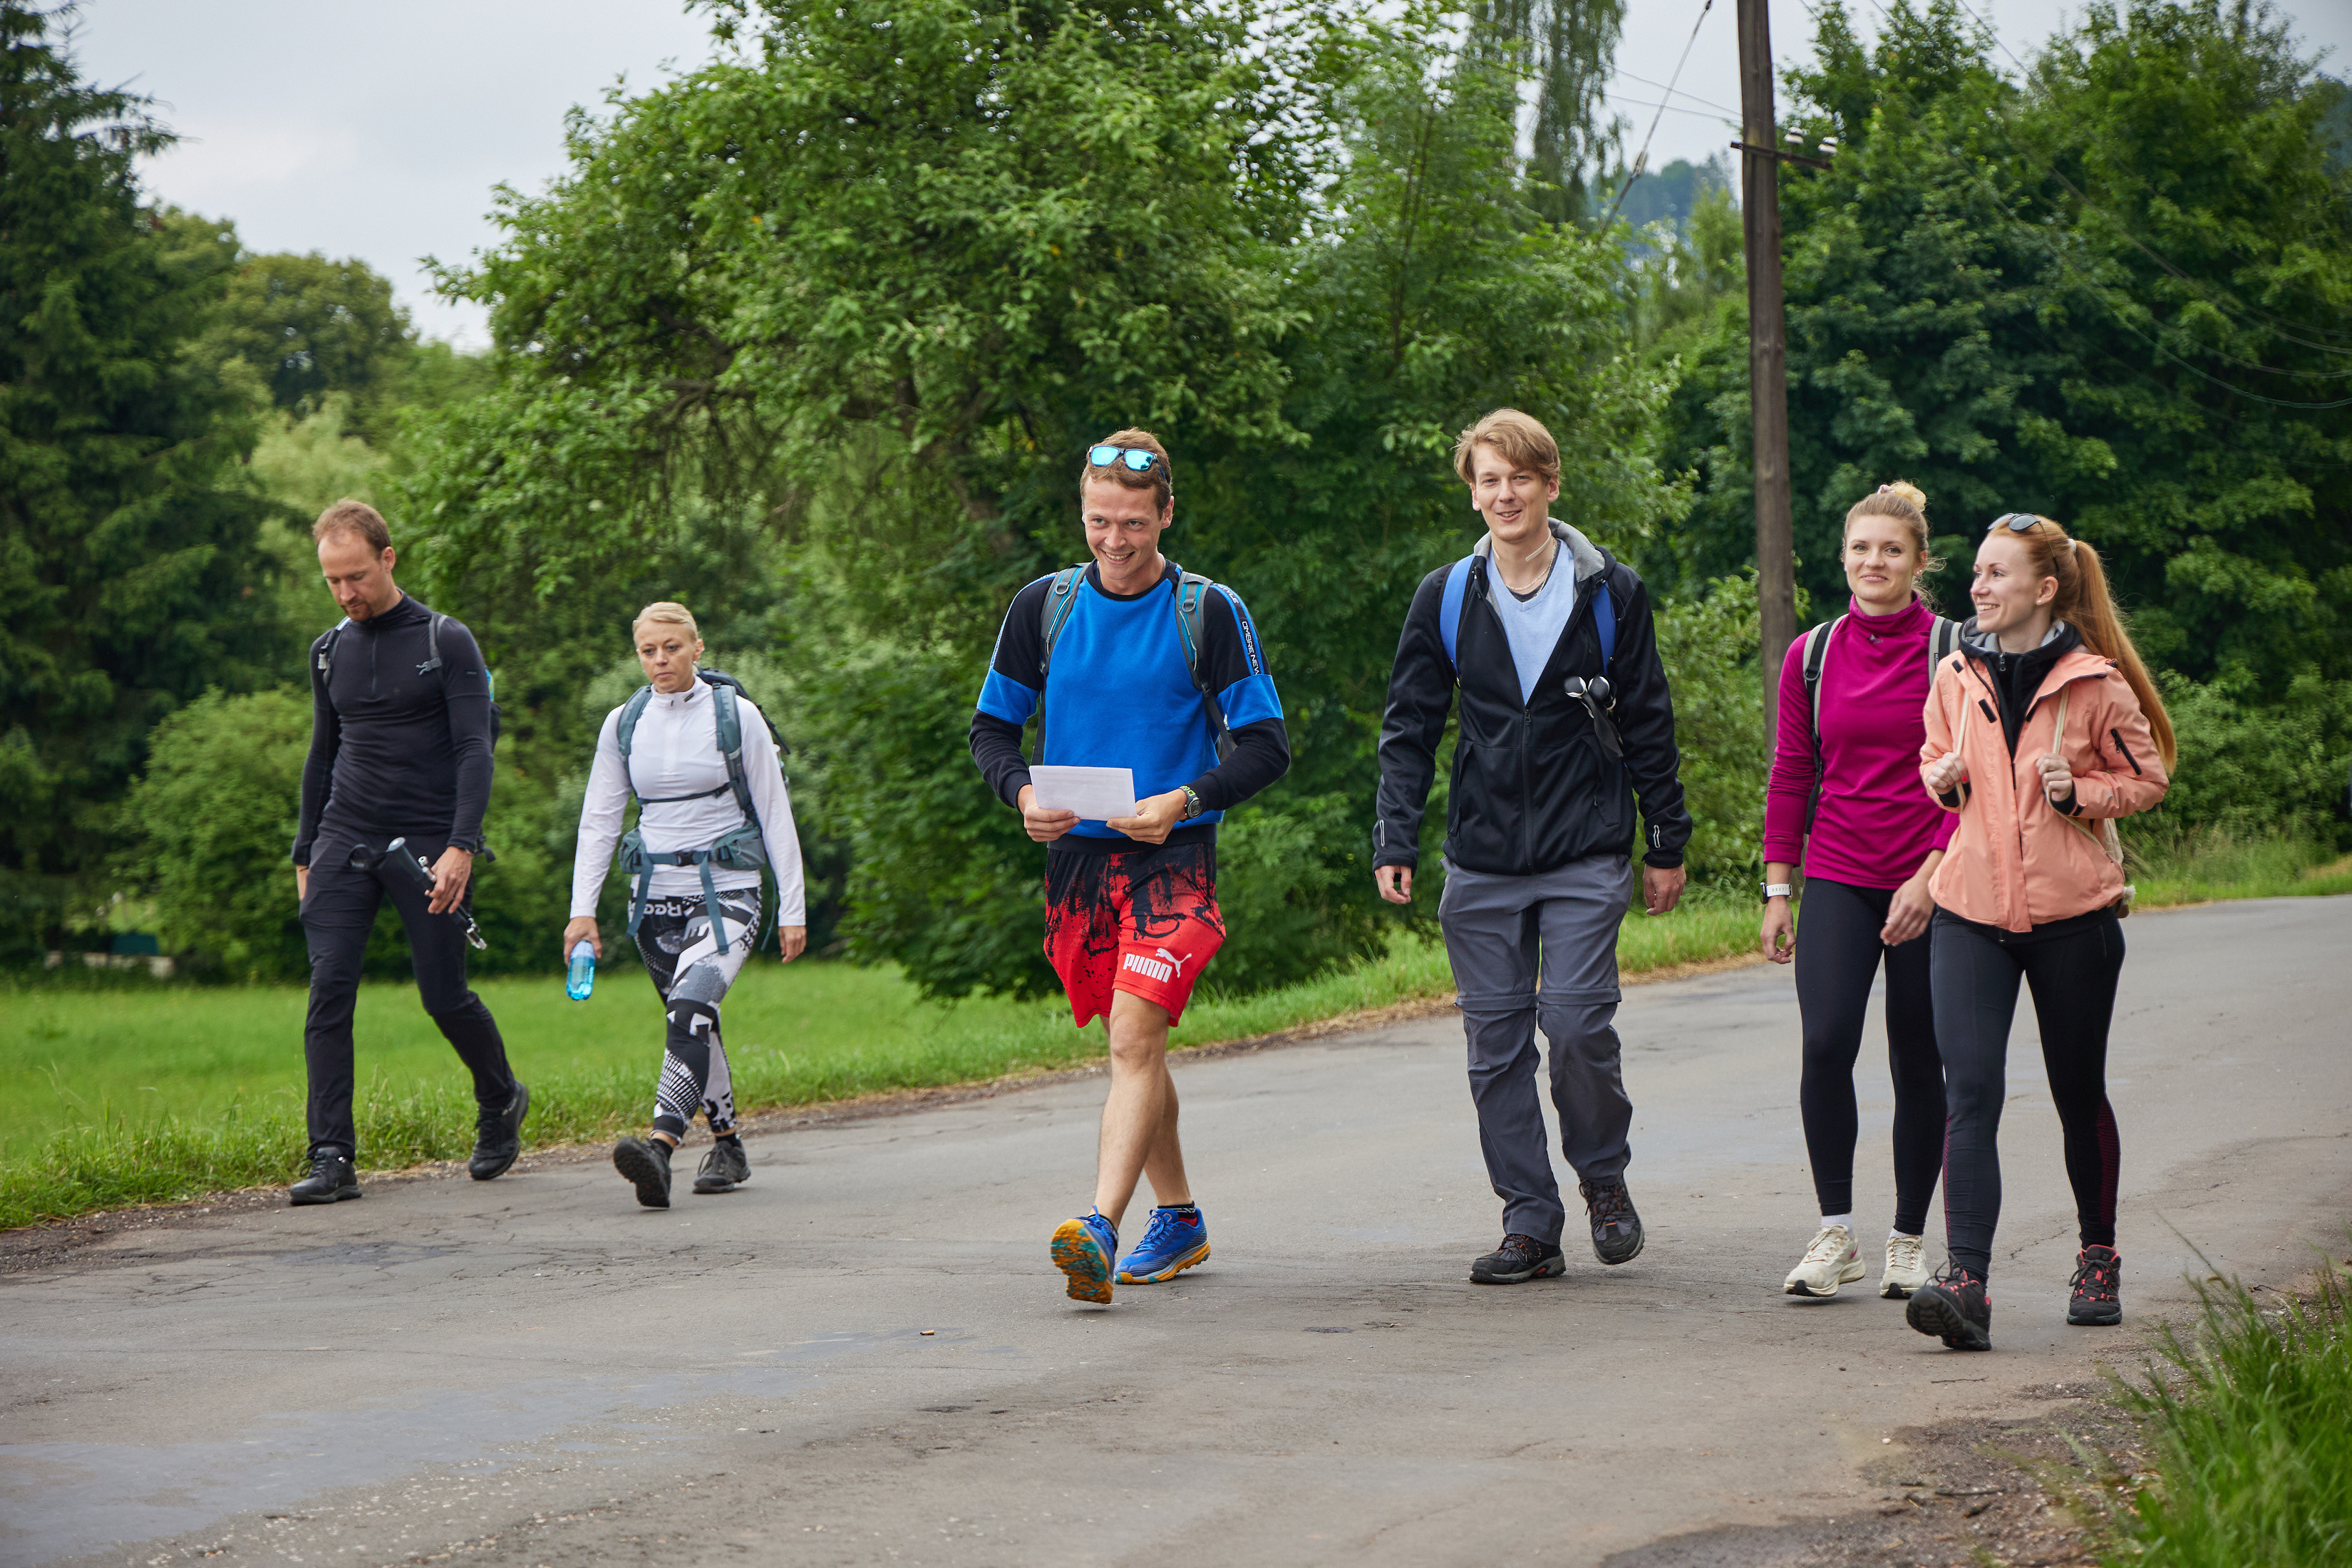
410, 865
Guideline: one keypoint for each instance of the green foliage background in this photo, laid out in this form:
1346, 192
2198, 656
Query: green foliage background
810, 338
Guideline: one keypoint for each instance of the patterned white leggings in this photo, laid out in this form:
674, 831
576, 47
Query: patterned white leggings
692, 973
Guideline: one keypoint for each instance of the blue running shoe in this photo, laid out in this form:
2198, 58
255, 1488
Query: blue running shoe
1085, 1248
1171, 1244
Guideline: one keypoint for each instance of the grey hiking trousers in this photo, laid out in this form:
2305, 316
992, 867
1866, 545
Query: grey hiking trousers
1501, 935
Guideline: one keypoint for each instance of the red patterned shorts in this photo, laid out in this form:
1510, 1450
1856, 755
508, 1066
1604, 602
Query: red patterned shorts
1142, 920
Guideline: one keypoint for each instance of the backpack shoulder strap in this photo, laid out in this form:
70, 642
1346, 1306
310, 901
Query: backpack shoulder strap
729, 720
1449, 607
326, 660
1604, 620
1192, 618
433, 643
1817, 652
1943, 637
1061, 598
631, 711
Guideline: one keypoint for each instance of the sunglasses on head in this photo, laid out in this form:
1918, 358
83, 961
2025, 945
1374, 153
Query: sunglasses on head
1134, 459
2018, 521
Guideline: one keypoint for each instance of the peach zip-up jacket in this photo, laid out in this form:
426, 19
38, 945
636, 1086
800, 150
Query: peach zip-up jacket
2016, 861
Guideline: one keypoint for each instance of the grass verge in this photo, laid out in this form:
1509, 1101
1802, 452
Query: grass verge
2251, 1422
155, 1093
151, 1094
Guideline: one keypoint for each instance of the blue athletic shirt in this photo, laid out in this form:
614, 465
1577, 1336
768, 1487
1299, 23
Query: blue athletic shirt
1120, 697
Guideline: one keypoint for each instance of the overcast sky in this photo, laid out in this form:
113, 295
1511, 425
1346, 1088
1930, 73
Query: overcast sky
378, 130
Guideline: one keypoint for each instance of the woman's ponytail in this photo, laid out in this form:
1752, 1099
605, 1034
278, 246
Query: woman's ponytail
2084, 604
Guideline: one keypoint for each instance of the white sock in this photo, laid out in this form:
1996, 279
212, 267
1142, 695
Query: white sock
1844, 1219
1902, 1235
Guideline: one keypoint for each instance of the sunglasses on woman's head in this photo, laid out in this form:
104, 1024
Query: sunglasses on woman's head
2018, 521
1134, 459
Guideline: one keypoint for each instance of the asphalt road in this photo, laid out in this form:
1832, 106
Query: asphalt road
864, 1357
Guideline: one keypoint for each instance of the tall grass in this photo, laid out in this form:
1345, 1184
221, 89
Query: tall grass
2252, 1421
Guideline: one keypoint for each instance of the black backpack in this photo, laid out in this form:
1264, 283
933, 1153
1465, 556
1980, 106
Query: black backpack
326, 662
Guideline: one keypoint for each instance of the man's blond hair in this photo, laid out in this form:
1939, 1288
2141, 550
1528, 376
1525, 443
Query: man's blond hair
1521, 439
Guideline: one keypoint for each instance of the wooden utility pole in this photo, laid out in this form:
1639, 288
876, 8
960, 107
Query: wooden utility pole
1767, 352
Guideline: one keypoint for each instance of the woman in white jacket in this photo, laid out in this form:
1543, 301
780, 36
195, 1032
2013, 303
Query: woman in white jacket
707, 825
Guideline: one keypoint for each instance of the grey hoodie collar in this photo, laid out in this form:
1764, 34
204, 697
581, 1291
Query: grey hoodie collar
1590, 562
1988, 646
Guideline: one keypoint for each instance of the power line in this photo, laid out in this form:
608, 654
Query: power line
1642, 158
1695, 97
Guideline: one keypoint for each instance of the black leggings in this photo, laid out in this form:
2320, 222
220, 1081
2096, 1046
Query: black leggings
1837, 955
2071, 966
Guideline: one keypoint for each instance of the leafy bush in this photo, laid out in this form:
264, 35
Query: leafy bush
2248, 768
1708, 643
211, 825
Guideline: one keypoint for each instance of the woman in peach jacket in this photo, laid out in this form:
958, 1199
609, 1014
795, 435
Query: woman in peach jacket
2042, 729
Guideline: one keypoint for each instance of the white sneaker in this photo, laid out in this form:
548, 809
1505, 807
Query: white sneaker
1906, 1267
1833, 1261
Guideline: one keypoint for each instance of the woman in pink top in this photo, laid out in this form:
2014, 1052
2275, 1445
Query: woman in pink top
1868, 843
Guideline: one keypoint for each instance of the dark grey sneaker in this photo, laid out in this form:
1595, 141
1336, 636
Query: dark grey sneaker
2098, 1285
1517, 1260
646, 1161
331, 1179
497, 1137
1616, 1228
724, 1169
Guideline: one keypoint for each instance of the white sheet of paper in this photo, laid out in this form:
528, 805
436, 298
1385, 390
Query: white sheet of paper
1095, 793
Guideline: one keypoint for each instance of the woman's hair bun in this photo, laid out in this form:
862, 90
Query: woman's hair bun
1908, 491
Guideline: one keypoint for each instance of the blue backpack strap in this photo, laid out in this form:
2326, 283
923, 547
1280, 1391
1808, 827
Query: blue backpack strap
1604, 621
1449, 608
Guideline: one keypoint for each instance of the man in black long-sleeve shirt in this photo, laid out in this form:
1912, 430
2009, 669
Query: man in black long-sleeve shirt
400, 748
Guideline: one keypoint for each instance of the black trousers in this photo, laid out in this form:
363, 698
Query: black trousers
1838, 955
2071, 966
338, 912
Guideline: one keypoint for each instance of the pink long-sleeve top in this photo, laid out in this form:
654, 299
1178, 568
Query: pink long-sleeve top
1875, 824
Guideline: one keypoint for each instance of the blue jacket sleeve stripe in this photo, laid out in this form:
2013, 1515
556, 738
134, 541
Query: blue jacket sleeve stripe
1002, 696
1249, 700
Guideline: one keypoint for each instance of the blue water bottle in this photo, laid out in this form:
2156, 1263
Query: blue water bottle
581, 980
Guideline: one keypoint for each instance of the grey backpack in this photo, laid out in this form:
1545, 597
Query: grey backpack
744, 848
1192, 594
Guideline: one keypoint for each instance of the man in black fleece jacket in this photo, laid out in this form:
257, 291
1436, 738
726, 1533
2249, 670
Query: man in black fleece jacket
1543, 644
400, 748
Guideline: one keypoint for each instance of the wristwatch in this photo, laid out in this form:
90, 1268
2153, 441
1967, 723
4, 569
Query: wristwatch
1776, 890
1192, 807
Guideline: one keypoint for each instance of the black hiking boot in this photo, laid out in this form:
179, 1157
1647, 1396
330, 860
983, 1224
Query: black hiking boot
1616, 1229
1956, 1307
331, 1181
497, 1137
724, 1169
2098, 1287
646, 1161
1518, 1259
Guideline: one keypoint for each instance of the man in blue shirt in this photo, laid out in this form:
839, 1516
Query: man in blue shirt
1131, 913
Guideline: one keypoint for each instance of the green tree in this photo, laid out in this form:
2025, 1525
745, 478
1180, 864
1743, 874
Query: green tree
2117, 292
308, 327
129, 561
